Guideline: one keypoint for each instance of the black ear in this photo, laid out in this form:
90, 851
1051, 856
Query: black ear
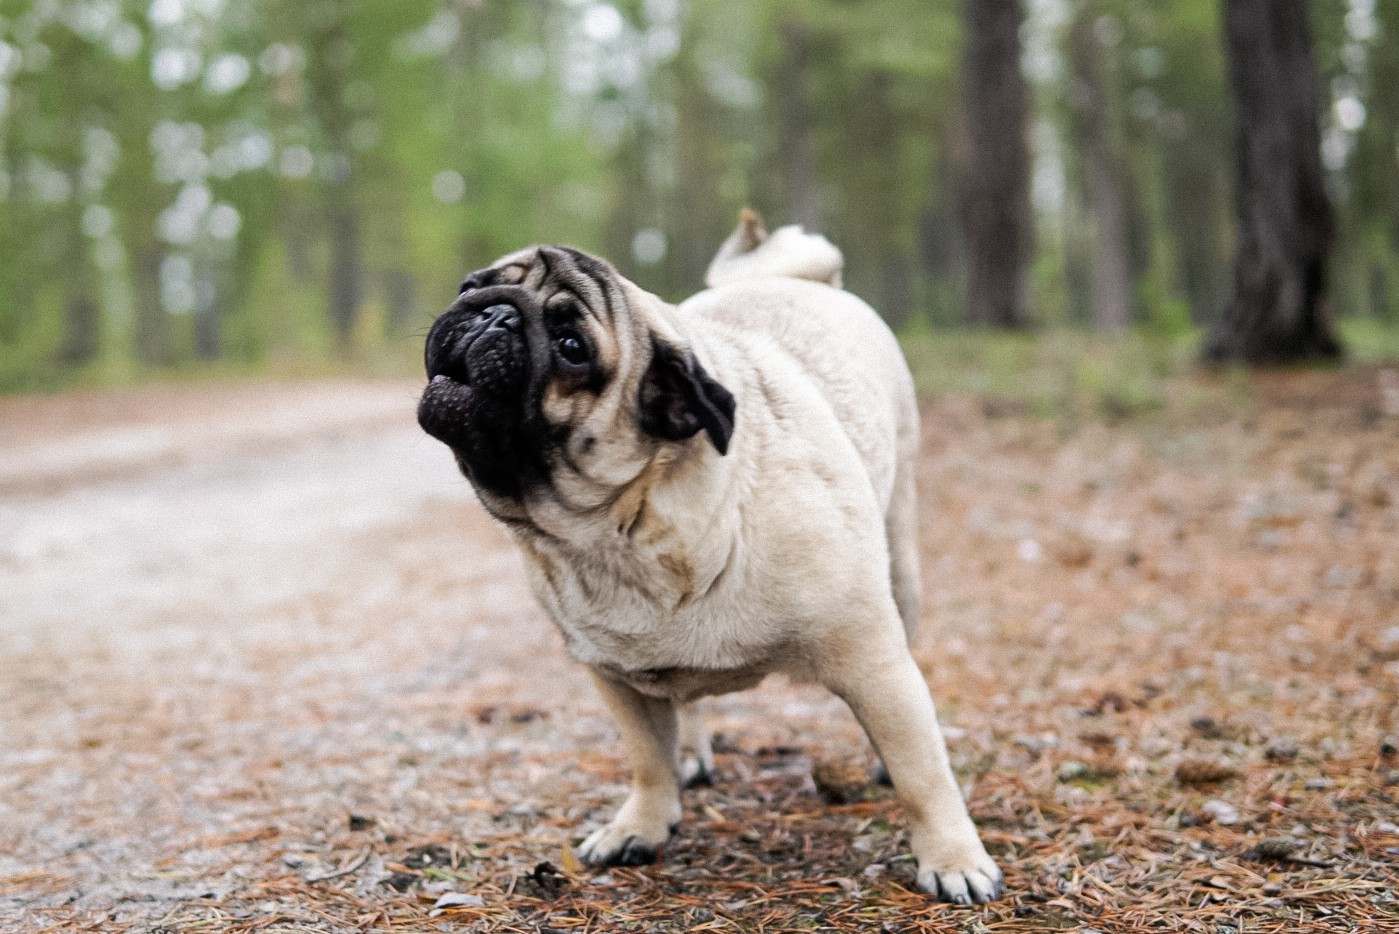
678, 398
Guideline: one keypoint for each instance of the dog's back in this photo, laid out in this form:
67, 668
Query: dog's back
780, 291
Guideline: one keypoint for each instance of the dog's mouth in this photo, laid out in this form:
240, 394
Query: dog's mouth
481, 376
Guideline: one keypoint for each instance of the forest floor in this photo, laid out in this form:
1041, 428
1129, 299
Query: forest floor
266, 666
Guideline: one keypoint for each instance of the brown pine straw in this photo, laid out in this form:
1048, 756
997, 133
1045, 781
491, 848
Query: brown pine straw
1185, 725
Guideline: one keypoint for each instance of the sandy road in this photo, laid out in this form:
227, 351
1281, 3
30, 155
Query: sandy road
192, 584
229, 617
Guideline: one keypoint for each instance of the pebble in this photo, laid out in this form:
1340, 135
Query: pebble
458, 900
1222, 812
1071, 770
1281, 749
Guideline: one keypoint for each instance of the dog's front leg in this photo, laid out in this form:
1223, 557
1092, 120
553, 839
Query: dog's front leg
883, 686
652, 810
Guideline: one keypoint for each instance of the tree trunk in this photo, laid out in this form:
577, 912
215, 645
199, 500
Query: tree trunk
1277, 311
996, 196
152, 320
332, 71
797, 124
1104, 178
81, 330
208, 315
346, 291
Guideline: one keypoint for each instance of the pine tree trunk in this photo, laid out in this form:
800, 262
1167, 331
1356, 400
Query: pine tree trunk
152, 320
996, 194
797, 124
1104, 178
331, 73
1277, 311
346, 291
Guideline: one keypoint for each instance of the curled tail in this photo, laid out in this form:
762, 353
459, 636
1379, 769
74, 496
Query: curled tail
751, 252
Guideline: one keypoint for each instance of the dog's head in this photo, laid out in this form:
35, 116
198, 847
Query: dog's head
550, 370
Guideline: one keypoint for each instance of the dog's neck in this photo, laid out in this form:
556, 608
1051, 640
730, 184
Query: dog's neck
659, 543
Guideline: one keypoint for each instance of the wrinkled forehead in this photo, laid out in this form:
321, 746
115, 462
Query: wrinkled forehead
558, 275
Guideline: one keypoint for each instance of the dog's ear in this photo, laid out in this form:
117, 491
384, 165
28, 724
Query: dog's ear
751, 232
678, 398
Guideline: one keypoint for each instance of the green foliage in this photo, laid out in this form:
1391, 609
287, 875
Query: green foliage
1072, 375
276, 183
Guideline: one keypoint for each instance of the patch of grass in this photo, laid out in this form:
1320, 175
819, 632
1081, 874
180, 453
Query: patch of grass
1055, 374
1370, 340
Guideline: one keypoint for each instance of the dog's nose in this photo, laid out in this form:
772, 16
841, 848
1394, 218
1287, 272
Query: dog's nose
478, 346
503, 317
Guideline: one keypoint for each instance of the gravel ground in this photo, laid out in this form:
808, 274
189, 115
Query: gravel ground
265, 665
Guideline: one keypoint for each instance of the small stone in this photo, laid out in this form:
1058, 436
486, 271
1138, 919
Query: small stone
1272, 888
1389, 747
1072, 550
1036, 744
1207, 727
1222, 812
1204, 772
1282, 749
400, 881
1339, 576
359, 822
840, 782
459, 900
1068, 771
1319, 784
1274, 849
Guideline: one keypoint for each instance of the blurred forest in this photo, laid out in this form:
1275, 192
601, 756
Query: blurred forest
282, 182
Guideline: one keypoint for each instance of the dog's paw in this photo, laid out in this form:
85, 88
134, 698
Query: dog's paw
963, 882
696, 770
622, 845
636, 835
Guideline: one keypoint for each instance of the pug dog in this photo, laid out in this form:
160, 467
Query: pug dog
704, 494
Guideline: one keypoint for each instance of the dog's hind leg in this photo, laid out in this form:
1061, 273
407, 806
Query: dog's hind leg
884, 687
901, 526
696, 758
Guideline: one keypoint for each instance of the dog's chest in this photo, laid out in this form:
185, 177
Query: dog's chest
646, 625
686, 684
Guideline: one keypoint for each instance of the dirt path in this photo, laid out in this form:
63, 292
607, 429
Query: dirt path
252, 636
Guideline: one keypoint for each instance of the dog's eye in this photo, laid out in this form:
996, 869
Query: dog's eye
571, 348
